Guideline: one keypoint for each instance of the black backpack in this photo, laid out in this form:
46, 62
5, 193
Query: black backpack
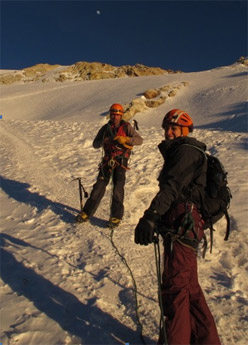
218, 194
217, 197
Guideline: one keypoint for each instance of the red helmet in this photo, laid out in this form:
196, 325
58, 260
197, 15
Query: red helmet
116, 108
178, 117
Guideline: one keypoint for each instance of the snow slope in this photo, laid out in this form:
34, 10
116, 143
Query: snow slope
67, 283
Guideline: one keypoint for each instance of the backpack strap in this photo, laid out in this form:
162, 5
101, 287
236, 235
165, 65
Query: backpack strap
196, 147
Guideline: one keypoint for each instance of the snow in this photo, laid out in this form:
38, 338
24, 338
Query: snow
66, 283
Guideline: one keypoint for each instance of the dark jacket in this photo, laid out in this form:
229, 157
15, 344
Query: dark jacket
183, 175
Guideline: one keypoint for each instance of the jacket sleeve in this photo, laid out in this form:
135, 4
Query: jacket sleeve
135, 138
177, 174
98, 141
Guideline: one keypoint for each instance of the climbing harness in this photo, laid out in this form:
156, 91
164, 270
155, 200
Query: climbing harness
112, 163
114, 154
186, 232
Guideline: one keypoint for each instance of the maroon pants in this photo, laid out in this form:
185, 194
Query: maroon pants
188, 318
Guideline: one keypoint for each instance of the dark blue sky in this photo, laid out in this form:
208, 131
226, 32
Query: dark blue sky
180, 35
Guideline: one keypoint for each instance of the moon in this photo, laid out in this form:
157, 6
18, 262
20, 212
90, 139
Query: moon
98, 12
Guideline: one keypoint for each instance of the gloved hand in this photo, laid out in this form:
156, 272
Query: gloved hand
144, 231
123, 141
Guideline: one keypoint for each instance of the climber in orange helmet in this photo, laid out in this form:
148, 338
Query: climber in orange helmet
117, 138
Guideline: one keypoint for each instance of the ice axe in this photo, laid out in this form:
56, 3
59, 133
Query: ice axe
135, 125
81, 188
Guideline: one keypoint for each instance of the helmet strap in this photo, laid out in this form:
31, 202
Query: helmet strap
185, 131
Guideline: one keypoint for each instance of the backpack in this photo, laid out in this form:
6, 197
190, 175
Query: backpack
218, 194
217, 197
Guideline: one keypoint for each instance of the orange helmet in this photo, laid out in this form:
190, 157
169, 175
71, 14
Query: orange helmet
116, 108
178, 117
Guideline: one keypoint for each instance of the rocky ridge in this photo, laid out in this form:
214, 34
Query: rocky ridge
77, 72
151, 98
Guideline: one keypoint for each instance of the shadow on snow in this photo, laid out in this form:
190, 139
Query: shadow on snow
84, 321
19, 191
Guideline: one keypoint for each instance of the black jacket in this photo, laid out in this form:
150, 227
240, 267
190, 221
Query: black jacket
183, 175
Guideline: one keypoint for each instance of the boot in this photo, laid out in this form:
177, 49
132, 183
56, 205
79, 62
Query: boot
82, 217
113, 222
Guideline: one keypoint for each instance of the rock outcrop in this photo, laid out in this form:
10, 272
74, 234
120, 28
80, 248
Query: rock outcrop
243, 60
151, 98
38, 70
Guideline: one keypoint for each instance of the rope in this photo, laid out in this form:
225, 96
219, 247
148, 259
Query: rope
134, 285
140, 326
158, 265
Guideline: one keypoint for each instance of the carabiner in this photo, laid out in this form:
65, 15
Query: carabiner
111, 163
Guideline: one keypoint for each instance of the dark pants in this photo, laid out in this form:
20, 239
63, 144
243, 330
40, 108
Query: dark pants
188, 318
99, 188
